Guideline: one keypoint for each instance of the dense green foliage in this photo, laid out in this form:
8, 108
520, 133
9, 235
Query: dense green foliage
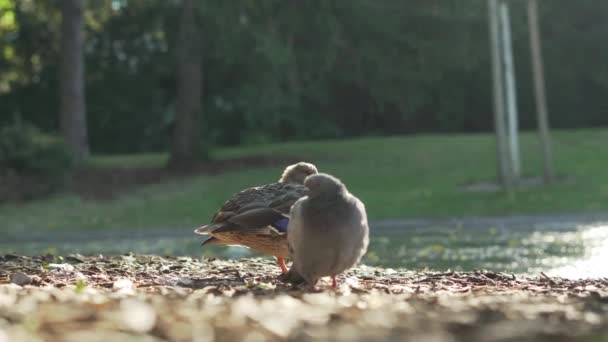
280, 70
25, 150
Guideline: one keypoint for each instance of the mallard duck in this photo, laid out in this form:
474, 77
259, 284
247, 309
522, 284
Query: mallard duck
257, 217
328, 230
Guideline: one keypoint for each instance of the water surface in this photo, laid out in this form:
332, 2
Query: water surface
569, 245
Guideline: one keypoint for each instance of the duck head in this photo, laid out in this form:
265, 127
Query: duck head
322, 184
296, 173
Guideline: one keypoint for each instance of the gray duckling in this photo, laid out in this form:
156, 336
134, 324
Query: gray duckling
328, 231
258, 217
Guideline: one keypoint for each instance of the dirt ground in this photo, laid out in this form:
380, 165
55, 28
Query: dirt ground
152, 298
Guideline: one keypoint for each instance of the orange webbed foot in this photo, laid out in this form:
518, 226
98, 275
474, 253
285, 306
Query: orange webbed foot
281, 263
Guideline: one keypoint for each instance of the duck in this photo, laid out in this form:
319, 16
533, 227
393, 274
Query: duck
328, 231
258, 217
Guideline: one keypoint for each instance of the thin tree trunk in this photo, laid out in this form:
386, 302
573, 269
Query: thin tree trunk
504, 170
539, 91
73, 117
511, 95
185, 144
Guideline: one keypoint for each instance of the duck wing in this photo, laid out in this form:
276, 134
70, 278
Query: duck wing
255, 209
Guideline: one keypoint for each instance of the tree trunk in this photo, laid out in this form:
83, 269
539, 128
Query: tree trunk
539, 91
511, 92
73, 107
504, 170
185, 144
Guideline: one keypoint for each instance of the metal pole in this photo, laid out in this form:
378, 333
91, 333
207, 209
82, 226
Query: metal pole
539, 91
504, 173
511, 96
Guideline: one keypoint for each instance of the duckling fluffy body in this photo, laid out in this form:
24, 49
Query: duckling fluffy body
328, 230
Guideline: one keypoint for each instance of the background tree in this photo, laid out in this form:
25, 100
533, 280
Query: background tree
185, 144
504, 170
286, 70
539, 91
73, 105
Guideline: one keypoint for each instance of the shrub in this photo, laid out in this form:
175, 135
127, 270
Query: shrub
27, 151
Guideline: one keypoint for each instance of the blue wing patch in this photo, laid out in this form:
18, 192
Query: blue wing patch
281, 225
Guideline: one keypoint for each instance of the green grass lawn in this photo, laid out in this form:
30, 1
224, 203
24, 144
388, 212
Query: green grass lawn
396, 177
